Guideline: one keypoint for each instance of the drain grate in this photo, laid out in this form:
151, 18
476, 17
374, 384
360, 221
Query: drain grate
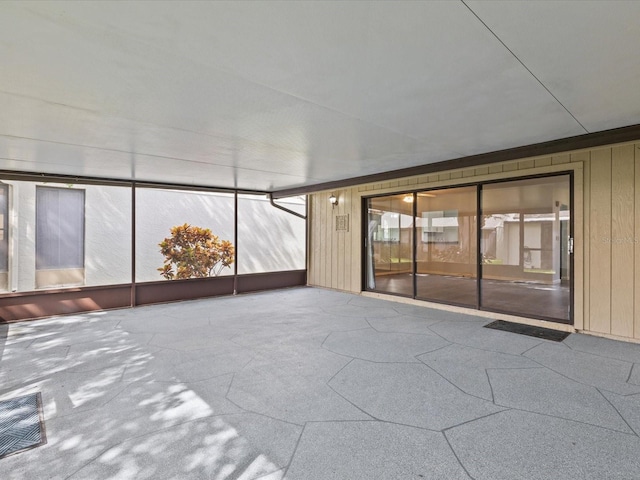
21, 424
538, 332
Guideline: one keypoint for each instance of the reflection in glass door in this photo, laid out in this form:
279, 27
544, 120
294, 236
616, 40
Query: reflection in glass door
509, 254
446, 246
523, 245
389, 253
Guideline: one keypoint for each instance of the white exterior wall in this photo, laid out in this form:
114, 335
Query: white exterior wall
107, 235
159, 210
269, 239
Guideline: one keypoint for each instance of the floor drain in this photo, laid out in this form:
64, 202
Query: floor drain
530, 330
21, 424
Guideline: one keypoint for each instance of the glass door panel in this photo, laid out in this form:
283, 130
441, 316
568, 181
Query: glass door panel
389, 253
446, 225
523, 245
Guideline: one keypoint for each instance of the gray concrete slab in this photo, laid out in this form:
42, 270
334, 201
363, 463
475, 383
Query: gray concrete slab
310, 383
369, 344
427, 399
372, 450
515, 445
542, 391
466, 367
601, 372
472, 334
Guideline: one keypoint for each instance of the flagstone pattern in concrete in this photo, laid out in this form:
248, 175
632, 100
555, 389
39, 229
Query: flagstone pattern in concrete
315, 384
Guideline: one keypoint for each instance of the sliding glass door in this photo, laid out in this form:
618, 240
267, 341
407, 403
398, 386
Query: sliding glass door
500, 246
389, 254
446, 260
524, 247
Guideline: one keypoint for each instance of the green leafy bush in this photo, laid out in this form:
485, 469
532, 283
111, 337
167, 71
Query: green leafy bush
194, 252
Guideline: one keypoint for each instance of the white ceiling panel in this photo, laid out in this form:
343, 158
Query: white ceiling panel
274, 95
586, 53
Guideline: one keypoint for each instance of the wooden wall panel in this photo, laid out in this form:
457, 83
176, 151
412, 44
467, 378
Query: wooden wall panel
600, 242
636, 329
582, 240
356, 241
578, 248
622, 240
606, 231
337, 269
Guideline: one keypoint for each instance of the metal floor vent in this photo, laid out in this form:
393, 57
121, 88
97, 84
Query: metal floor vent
21, 424
538, 332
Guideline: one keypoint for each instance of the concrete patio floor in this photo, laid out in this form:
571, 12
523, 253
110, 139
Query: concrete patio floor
313, 384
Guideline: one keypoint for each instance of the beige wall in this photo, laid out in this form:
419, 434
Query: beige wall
607, 230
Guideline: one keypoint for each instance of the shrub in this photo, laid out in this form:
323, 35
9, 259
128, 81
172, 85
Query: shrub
194, 252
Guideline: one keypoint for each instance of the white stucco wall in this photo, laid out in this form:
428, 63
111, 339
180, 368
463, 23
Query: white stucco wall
107, 234
159, 210
268, 238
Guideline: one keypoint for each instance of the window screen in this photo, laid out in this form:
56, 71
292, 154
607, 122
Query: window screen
4, 231
59, 228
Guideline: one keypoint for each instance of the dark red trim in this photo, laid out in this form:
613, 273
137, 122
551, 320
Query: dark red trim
174, 290
29, 305
38, 304
271, 280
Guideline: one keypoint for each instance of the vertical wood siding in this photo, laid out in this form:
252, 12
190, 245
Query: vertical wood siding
606, 230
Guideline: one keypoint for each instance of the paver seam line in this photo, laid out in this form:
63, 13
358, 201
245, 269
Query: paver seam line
251, 412
504, 409
630, 373
246, 410
519, 409
372, 420
353, 404
325, 339
378, 420
241, 468
455, 454
436, 333
453, 384
578, 381
371, 361
431, 351
597, 354
29, 345
271, 473
295, 450
618, 412
372, 327
583, 384
493, 396
529, 349
477, 348
352, 329
89, 462
339, 370
83, 410
393, 332
518, 355
448, 345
